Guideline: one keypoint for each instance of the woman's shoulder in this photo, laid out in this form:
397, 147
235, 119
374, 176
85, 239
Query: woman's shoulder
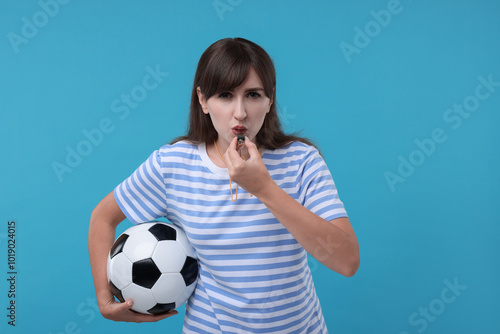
181, 145
295, 147
294, 152
178, 151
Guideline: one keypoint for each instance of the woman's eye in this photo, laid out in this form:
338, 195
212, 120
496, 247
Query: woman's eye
225, 95
253, 95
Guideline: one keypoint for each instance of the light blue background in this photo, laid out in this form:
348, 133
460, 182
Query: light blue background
440, 224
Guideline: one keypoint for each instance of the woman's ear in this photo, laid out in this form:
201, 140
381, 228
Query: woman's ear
271, 102
202, 100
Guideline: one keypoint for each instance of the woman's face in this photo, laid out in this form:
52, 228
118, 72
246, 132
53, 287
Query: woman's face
241, 110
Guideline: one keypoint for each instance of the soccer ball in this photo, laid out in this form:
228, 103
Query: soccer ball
153, 264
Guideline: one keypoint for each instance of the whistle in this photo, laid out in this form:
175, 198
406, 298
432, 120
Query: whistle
241, 142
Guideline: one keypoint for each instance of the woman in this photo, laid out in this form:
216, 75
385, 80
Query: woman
251, 211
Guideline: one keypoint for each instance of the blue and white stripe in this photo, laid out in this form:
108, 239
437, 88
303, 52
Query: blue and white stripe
254, 276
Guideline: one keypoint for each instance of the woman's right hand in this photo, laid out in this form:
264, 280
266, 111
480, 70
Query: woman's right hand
116, 311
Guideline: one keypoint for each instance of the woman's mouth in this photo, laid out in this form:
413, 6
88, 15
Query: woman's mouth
239, 130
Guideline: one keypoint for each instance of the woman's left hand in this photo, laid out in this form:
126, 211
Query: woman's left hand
252, 175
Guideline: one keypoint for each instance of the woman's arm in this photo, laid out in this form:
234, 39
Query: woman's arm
333, 243
103, 222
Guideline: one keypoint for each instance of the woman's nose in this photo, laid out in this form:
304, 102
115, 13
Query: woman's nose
239, 109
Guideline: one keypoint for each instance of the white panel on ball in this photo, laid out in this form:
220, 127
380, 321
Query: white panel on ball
168, 288
139, 246
185, 295
143, 298
120, 271
183, 240
169, 256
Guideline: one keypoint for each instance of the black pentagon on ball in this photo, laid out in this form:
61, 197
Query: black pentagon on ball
163, 232
116, 292
190, 270
161, 308
145, 273
118, 245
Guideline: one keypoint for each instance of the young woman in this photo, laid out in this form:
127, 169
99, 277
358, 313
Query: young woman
252, 212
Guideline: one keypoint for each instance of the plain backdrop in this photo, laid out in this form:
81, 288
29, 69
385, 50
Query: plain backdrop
402, 97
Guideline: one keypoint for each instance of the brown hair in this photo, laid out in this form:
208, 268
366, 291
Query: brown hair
223, 67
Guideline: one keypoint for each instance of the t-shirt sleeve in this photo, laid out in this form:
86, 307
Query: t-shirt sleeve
317, 191
142, 196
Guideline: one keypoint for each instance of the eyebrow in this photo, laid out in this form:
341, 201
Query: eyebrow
254, 89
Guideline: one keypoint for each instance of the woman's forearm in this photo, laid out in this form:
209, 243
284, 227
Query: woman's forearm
333, 243
102, 228
101, 237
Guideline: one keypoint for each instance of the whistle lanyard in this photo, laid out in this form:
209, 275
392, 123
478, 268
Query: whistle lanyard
230, 182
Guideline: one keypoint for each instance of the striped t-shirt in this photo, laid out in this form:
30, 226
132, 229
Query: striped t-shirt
254, 276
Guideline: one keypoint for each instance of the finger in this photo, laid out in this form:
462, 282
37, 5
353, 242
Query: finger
231, 153
165, 315
252, 148
233, 145
152, 318
140, 317
127, 305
